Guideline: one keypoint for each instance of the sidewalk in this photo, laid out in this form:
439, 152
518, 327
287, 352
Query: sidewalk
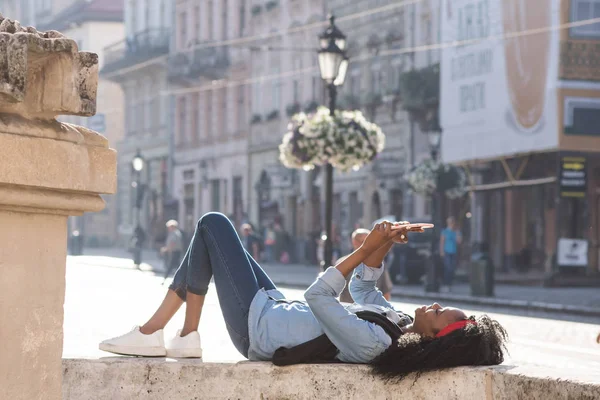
577, 301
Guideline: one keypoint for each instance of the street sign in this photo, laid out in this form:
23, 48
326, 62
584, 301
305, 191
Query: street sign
573, 176
572, 252
97, 123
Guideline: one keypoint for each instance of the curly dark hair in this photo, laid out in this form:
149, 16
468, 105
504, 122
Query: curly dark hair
476, 344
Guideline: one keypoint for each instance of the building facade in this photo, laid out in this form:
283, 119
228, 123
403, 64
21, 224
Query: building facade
285, 80
137, 62
93, 25
522, 118
210, 109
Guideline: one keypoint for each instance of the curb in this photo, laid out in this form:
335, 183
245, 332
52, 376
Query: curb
514, 304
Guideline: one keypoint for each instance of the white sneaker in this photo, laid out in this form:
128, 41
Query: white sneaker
188, 346
135, 343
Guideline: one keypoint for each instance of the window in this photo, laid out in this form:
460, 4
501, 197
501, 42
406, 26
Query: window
133, 13
155, 112
195, 126
223, 114
182, 30
196, 33
147, 121
139, 107
163, 14
211, 33
241, 108
189, 206
582, 10
296, 90
216, 194
296, 83
224, 24
147, 105
256, 97
181, 119
275, 90
130, 114
147, 14
314, 88
582, 116
393, 76
238, 204
242, 17
208, 114
376, 78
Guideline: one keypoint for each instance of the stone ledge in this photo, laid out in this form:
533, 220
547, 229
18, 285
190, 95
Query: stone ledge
132, 378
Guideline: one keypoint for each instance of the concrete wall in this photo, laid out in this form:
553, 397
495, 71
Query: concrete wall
129, 378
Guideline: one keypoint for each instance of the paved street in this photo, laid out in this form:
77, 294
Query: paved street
300, 276
109, 298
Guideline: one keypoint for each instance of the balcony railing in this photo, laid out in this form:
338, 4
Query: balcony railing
207, 62
136, 49
580, 60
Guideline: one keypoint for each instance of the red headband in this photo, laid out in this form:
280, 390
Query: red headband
455, 326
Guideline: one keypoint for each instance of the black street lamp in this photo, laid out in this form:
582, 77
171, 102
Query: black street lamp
333, 64
432, 284
137, 166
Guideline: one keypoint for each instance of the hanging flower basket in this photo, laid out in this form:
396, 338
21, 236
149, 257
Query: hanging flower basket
346, 140
429, 176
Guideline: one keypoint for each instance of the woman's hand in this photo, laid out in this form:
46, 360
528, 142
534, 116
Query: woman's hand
381, 234
402, 237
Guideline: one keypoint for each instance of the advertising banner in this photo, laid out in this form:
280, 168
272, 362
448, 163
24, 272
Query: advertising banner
498, 93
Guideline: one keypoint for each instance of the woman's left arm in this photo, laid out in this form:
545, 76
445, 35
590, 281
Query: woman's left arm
357, 340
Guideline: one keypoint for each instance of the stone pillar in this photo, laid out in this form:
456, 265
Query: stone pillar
48, 171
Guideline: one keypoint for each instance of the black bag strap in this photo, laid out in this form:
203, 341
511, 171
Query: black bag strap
389, 326
322, 350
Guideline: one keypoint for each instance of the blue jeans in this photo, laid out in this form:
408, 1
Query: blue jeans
216, 250
449, 268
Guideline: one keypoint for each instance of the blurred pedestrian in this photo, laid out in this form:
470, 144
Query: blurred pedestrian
450, 239
269, 243
173, 247
384, 283
250, 241
136, 244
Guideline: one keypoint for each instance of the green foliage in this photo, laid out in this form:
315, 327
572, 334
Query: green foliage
420, 89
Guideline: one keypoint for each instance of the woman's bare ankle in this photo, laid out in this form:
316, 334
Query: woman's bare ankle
148, 329
185, 332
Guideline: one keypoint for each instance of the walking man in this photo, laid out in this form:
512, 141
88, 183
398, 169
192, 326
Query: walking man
450, 239
250, 241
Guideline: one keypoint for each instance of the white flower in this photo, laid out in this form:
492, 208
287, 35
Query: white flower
346, 140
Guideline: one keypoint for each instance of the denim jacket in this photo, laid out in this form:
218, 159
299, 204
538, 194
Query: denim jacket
275, 324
